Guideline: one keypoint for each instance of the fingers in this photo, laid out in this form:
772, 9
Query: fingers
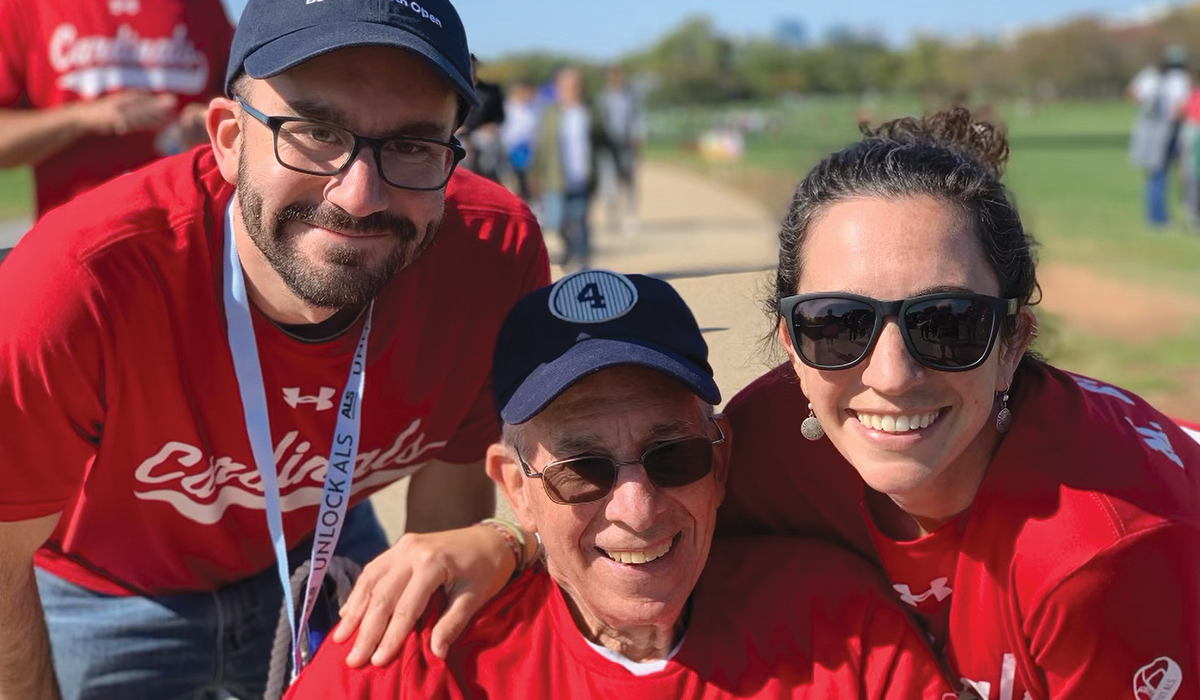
352, 611
401, 618
452, 622
139, 111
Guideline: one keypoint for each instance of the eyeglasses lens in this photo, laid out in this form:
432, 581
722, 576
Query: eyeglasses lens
949, 333
579, 480
313, 147
679, 463
833, 332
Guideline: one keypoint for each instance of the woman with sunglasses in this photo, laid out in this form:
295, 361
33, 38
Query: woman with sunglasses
1044, 527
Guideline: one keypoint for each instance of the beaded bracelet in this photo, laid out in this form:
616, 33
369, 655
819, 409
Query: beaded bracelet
510, 534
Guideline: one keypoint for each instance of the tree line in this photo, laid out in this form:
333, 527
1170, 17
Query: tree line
1086, 57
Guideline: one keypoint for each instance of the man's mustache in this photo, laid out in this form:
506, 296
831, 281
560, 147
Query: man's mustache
381, 223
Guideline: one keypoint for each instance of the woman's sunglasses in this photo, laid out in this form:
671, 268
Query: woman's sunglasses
948, 332
592, 477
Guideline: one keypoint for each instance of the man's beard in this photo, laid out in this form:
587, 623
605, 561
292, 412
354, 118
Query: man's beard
347, 277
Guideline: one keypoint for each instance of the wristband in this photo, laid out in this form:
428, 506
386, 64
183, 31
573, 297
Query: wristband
506, 530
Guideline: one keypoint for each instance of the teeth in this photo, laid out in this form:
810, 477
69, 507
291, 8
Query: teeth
897, 424
639, 557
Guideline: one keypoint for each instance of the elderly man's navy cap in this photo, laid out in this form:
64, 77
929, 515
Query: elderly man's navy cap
590, 321
275, 35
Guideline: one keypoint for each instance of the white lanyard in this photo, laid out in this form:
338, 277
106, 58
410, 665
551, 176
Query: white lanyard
339, 474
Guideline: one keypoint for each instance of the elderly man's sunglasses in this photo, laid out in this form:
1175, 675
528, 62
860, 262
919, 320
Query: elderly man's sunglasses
948, 332
590, 478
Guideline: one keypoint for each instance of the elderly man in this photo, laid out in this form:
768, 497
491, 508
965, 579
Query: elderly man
612, 454
212, 359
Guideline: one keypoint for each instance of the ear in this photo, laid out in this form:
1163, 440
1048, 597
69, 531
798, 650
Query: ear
1012, 351
503, 468
722, 452
785, 342
224, 132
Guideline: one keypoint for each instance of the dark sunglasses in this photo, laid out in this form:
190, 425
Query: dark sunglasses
590, 478
948, 332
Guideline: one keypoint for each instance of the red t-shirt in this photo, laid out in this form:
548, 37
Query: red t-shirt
120, 405
770, 618
53, 53
1074, 574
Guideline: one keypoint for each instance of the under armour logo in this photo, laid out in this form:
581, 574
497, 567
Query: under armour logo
1156, 439
124, 7
938, 589
322, 400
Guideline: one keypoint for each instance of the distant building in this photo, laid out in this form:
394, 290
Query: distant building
791, 33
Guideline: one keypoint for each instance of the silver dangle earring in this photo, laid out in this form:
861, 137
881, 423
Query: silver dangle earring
1004, 417
811, 427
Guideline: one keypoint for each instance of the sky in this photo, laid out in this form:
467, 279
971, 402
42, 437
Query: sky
607, 29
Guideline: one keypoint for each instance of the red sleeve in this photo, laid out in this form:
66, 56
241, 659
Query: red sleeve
781, 484
478, 430
1129, 619
897, 664
414, 675
12, 53
53, 352
481, 427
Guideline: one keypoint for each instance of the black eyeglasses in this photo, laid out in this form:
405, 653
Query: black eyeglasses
590, 478
949, 332
316, 148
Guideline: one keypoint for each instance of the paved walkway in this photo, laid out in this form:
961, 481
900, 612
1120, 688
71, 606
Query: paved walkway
11, 231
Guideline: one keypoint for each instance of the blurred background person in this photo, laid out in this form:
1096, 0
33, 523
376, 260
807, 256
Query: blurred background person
1189, 156
621, 117
95, 88
564, 166
480, 133
517, 134
1160, 92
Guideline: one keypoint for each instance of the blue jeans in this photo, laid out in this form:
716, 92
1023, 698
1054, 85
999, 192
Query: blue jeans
190, 646
1156, 186
1156, 197
576, 230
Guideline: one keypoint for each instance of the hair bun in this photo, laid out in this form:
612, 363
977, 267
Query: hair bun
955, 128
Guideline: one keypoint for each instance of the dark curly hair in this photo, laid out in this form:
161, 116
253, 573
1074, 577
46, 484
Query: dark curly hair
947, 155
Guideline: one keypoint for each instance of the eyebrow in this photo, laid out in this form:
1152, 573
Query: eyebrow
578, 444
944, 289
333, 115
935, 289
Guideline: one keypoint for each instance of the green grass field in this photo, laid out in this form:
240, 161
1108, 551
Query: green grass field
1073, 185
16, 193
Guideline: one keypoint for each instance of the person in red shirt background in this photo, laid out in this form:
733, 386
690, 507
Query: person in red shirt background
611, 453
95, 88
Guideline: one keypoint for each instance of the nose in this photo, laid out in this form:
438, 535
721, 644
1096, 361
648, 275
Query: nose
635, 501
359, 190
891, 369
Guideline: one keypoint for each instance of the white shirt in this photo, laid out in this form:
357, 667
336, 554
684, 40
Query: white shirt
576, 146
1154, 88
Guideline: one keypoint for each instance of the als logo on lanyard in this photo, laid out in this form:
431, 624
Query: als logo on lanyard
339, 475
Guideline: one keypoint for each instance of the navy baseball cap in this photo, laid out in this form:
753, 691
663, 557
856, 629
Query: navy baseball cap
590, 321
275, 35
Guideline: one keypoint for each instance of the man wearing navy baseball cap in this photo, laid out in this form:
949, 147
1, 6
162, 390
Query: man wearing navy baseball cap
217, 358
613, 459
